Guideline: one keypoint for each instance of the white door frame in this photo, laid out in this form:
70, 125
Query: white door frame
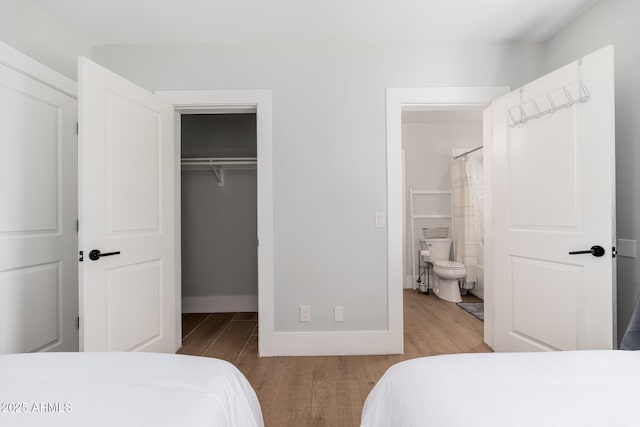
434, 98
211, 101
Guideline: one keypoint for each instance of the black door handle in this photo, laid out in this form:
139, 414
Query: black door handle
596, 251
95, 254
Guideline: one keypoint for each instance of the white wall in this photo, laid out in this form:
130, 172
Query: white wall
428, 138
329, 149
615, 22
26, 27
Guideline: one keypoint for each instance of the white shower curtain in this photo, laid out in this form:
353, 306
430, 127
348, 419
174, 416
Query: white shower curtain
467, 196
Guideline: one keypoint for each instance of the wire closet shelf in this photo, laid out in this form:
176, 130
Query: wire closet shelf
219, 165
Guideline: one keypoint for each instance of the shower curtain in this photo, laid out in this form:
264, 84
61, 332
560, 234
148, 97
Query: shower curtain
467, 198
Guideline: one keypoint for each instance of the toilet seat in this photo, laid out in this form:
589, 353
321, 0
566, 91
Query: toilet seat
449, 265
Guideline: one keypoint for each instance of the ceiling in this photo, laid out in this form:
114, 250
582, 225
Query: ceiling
109, 22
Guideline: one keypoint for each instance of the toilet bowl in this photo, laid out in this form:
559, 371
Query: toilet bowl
447, 274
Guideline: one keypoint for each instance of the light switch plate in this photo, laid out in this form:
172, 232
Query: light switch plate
380, 220
338, 314
626, 248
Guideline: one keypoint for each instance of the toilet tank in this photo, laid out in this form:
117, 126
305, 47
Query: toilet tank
439, 249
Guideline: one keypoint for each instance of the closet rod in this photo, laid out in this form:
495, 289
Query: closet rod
468, 152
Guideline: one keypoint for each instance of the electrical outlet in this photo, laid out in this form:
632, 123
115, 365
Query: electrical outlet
338, 314
305, 313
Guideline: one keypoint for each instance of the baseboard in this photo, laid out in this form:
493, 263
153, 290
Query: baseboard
408, 282
220, 304
340, 343
477, 292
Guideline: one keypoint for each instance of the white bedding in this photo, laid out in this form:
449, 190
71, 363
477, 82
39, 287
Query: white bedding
124, 389
586, 388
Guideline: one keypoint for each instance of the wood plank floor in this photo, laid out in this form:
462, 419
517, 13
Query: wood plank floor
327, 390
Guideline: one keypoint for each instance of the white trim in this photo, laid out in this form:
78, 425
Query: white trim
18, 61
433, 98
332, 343
487, 159
236, 109
409, 281
188, 101
177, 131
220, 304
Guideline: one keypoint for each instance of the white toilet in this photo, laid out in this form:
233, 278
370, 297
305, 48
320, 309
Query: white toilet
446, 273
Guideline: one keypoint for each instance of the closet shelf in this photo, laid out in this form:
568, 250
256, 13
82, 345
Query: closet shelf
218, 165
420, 218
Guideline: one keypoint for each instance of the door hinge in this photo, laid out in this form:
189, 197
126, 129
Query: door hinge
77, 128
81, 257
78, 322
77, 225
614, 252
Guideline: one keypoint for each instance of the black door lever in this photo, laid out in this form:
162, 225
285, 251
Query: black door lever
596, 251
95, 254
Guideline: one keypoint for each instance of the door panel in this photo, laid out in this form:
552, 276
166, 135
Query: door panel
554, 192
30, 204
134, 292
540, 179
549, 286
133, 150
38, 211
126, 206
23, 293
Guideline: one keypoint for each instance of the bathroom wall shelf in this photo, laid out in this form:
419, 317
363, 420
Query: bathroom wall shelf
422, 217
219, 165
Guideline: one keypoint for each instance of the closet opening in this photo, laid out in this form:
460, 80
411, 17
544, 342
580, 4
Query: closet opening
219, 229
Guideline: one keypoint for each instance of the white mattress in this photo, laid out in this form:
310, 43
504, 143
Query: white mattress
124, 389
586, 388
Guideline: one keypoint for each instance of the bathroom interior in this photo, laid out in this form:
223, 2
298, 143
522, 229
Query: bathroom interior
443, 205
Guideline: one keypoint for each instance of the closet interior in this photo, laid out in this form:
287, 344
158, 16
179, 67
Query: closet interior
219, 212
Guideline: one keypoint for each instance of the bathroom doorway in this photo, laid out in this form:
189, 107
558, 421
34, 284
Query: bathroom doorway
443, 204
439, 102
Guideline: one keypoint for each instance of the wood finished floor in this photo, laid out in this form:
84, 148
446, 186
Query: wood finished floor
327, 390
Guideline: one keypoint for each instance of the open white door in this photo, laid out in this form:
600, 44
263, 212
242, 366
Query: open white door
552, 152
126, 198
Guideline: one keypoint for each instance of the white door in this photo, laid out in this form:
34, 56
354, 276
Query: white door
127, 295
38, 200
554, 193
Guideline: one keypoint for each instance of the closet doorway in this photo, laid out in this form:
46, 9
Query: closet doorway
219, 212
224, 208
